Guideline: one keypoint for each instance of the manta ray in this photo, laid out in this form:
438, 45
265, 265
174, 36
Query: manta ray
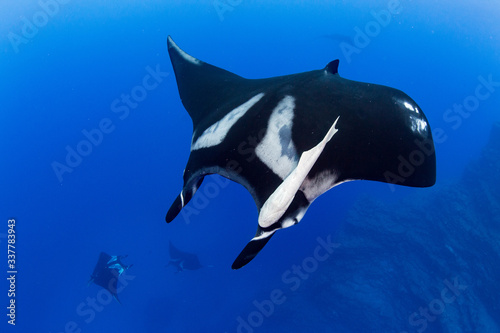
107, 272
311, 132
183, 260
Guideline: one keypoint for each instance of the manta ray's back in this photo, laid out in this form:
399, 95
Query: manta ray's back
313, 131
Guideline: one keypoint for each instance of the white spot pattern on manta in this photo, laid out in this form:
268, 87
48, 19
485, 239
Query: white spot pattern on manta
322, 182
276, 150
417, 123
278, 202
217, 132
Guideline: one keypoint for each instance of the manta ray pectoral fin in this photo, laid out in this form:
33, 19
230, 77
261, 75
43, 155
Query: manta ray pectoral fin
202, 87
183, 198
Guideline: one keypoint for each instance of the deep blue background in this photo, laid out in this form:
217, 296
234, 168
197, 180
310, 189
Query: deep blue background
64, 80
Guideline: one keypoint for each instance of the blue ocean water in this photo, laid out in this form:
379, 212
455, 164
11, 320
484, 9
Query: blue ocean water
66, 68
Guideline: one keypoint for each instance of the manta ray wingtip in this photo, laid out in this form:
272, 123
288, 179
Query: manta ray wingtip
170, 42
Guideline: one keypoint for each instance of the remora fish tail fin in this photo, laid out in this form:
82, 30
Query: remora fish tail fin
202, 87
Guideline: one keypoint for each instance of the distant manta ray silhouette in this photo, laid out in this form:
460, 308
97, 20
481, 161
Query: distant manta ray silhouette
315, 131
107, 273
183, 260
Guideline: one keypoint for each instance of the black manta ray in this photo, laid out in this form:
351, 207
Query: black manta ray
107, 272
183, 260
315, 131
